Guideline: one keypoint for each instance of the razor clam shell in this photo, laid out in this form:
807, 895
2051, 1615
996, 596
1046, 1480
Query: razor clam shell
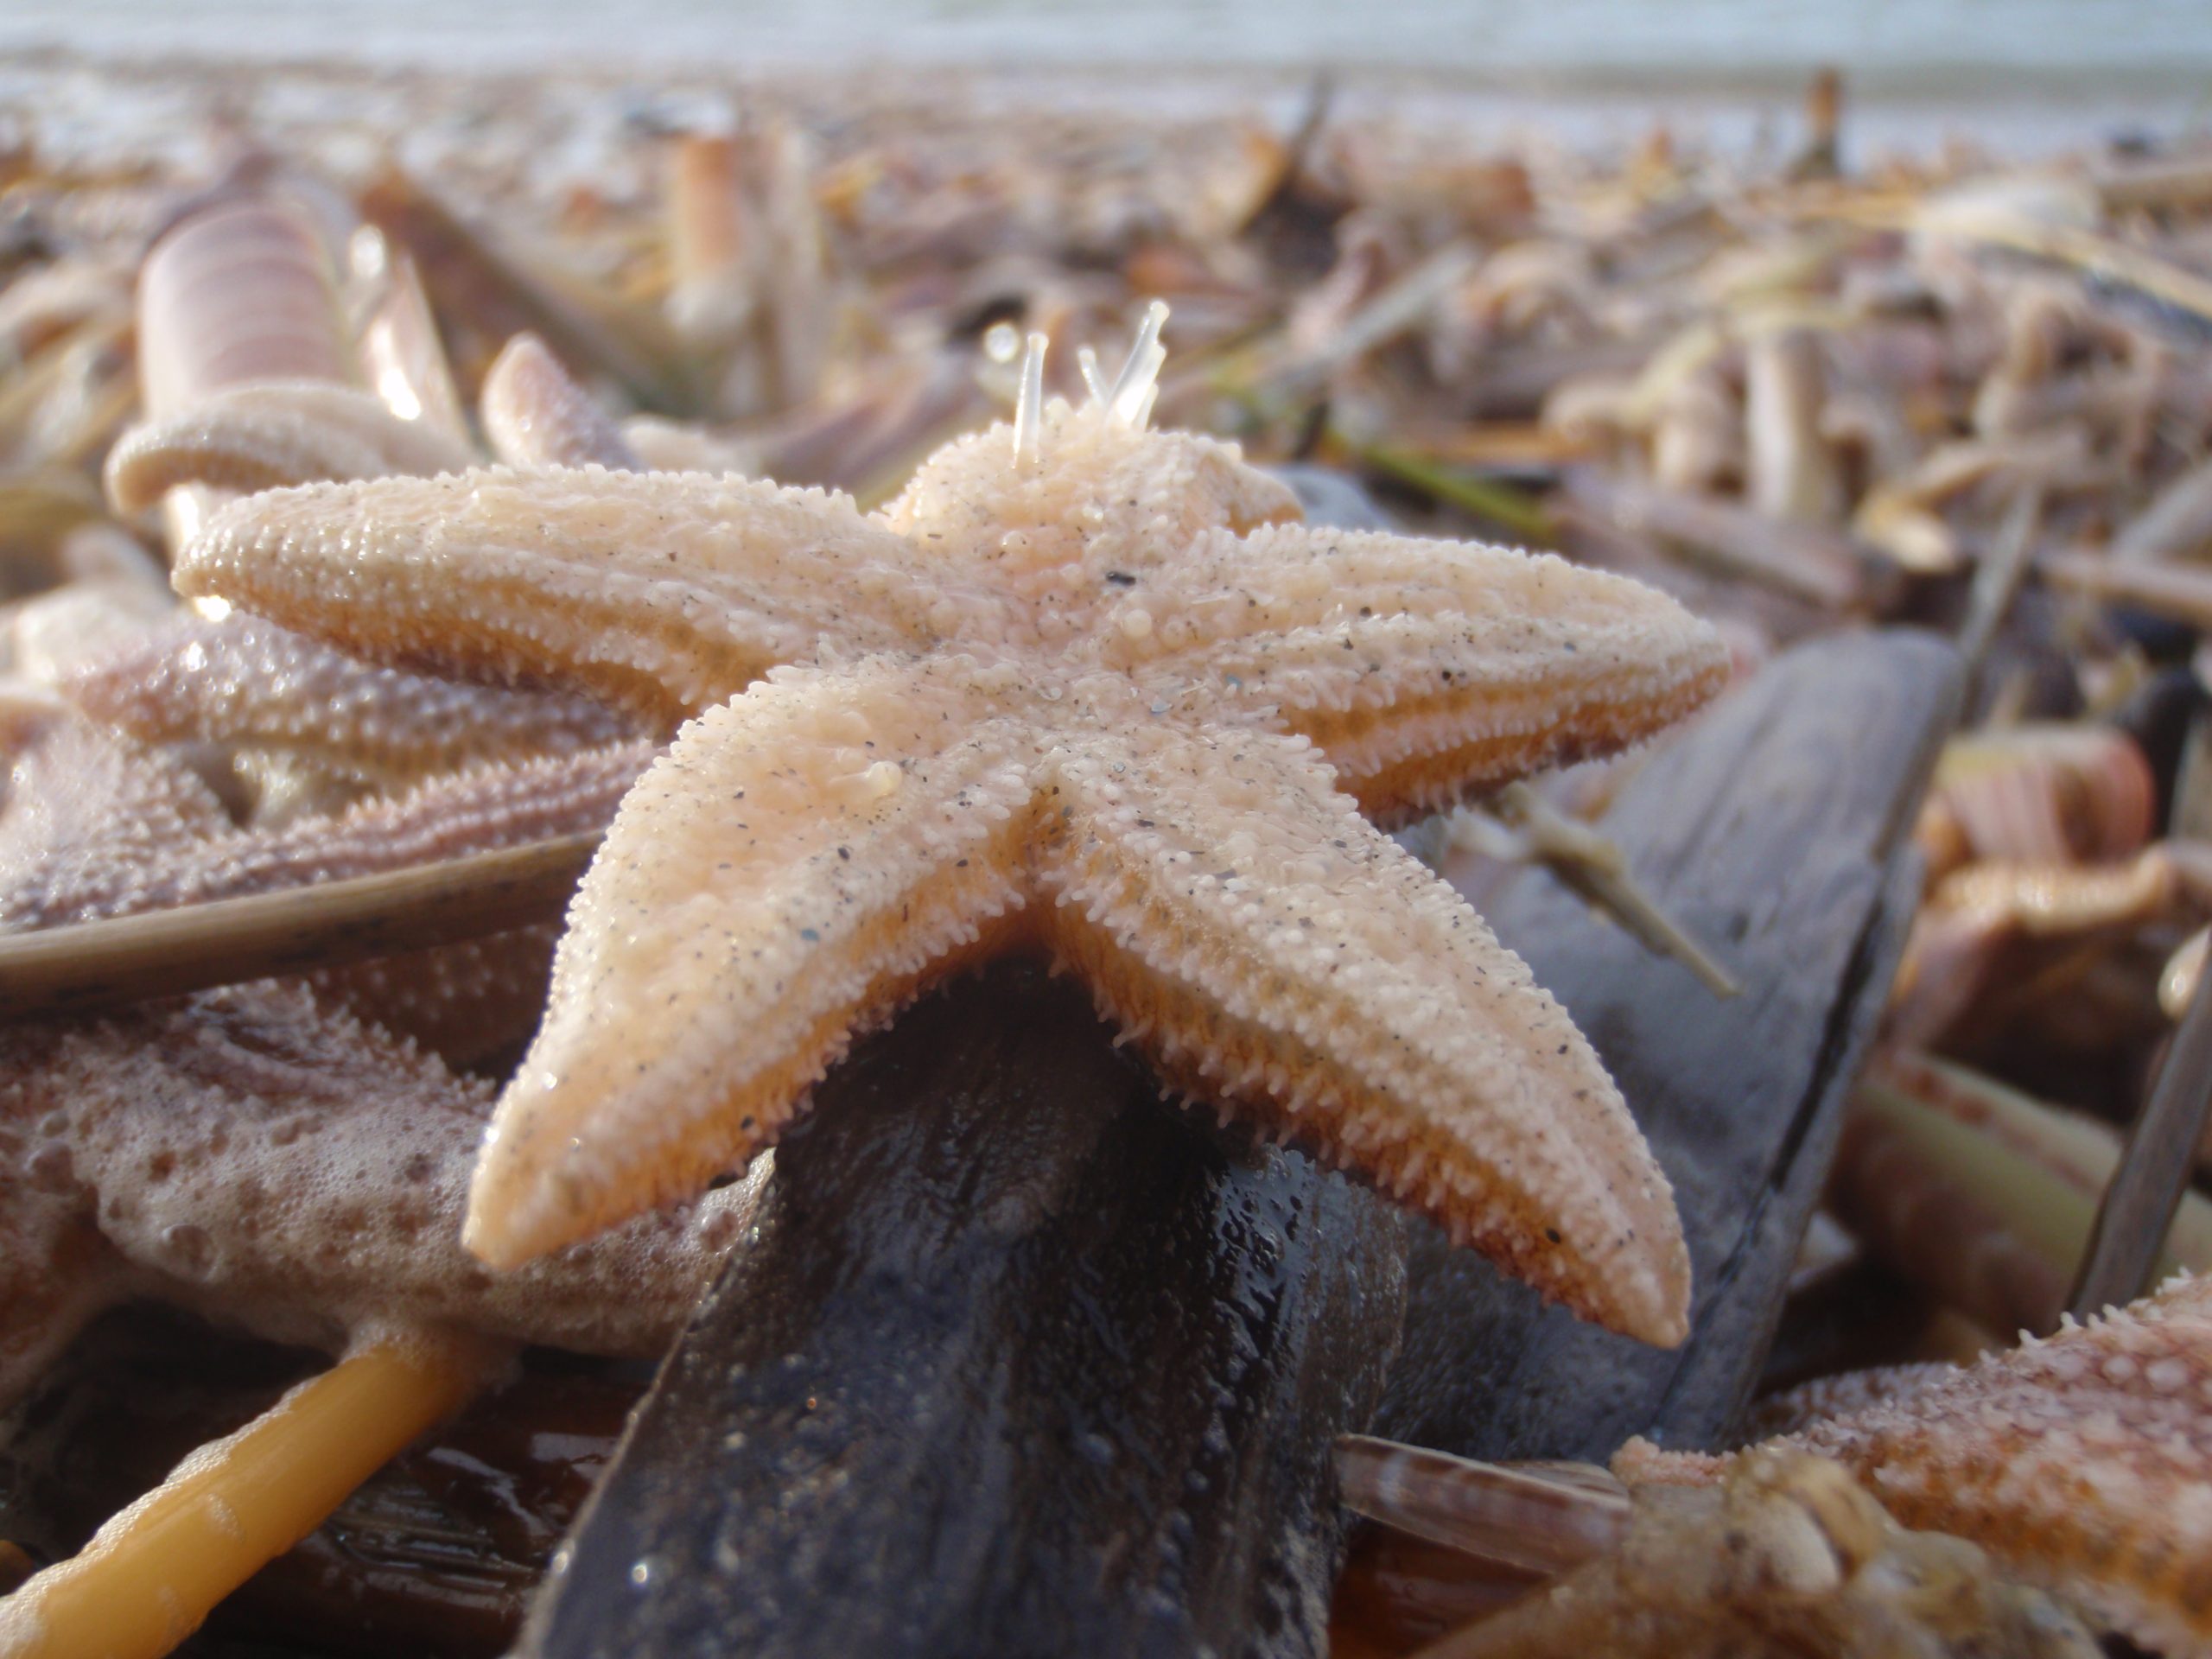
1533, 1518
241, 291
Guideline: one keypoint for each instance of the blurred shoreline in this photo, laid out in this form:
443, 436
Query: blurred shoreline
93, 103
1912, 50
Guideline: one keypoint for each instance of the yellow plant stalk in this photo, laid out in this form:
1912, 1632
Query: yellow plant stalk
153, 1573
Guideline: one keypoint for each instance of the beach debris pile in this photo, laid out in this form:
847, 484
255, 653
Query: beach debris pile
1799, 392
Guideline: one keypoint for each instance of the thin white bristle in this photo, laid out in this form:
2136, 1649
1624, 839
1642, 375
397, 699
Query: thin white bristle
1132, 400
1029, 409
1142, 367
1142, 417
1087, 360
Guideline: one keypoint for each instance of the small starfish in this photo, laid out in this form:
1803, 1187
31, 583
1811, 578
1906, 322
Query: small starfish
272, 1161
305, 728
262, 1153
1787, 1558
2082, 1461
1081, 684
96, 826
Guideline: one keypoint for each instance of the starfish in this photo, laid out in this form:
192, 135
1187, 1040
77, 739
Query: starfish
265, 1153
304, 728
108, 591
97, 826
2082, 1461
1786, 1556
271, 1160
1082, 685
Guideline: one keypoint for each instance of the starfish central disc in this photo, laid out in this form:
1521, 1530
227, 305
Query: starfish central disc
1098, 690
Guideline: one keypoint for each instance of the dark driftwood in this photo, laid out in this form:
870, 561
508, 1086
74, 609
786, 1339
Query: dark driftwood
1018, 1361
1773, 832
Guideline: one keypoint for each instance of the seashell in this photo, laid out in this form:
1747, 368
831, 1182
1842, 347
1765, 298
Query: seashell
1697, 440
2051, 901
401, 355
2178, 980
238, 291
536, 415
1787, 1558
713, 243
1525, 1517
1792, 471
487, 292
1982, 1194
54, 301
2178, 524
2051, 794
2077, 1461
1904, 513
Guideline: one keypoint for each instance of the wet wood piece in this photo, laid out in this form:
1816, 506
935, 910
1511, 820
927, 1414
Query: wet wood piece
1776, 831
1013, 1360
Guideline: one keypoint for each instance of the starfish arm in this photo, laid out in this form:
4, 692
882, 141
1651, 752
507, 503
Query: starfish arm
258, 1154
2083, 1460
242, 684
96, 826
1427, 671
1271, 949
57, 1274
663, 593
86, 817
451, 817
788, 873
267, 434
464, 1000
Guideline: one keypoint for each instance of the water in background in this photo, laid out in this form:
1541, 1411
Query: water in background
2030, 73
1915, 45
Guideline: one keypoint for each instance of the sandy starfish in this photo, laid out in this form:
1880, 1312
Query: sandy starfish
284, 725
272, 1161
262, 1153
1083, 684
1786, 1557
2082, 1461
95, 826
